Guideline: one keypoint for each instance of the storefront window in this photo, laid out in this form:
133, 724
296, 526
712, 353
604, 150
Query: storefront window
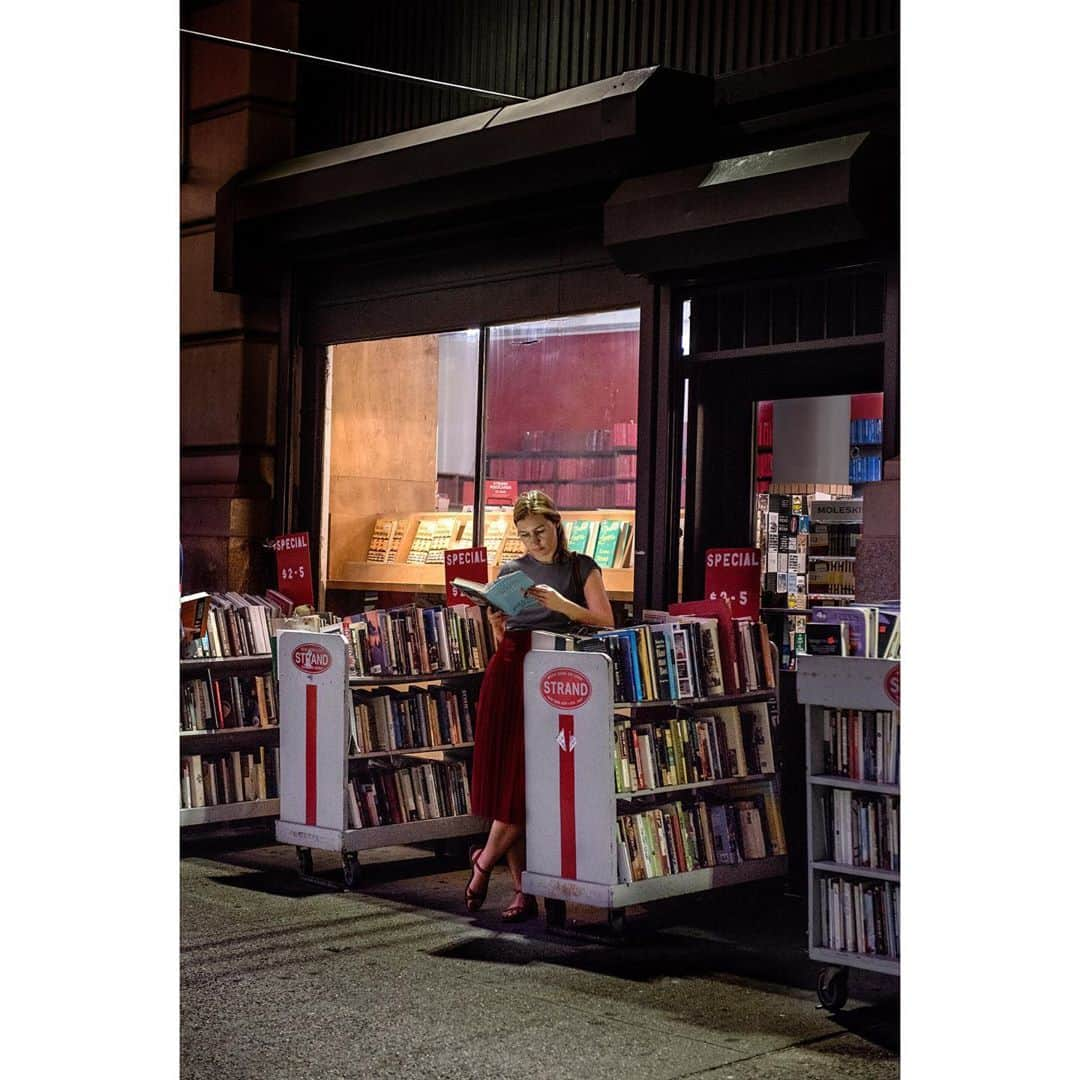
401, 459
561, 416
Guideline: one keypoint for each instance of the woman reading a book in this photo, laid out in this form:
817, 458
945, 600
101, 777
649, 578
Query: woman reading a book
568, 592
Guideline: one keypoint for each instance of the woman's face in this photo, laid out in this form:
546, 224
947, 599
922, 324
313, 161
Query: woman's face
539, 537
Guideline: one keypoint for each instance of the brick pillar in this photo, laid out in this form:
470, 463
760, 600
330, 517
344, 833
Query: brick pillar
240, 111
877, 569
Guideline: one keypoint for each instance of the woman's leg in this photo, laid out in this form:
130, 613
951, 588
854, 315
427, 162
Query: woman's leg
502, 836
501, 839
523, 906
515, 859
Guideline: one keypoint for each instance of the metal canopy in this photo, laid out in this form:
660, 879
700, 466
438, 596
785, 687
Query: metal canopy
831, 191
598, 133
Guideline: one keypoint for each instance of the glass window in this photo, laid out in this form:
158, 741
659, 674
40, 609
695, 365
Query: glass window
400, 460
561, 416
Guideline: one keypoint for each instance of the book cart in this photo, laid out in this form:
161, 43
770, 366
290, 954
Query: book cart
315, 701
570, 799
846, 683
225, 740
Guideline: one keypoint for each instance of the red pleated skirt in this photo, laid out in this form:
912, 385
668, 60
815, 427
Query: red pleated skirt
498, 779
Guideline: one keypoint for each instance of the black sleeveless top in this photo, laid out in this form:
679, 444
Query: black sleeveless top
559, 576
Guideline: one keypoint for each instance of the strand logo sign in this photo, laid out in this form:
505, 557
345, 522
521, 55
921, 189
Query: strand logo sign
565, 688
892, 684
312, 659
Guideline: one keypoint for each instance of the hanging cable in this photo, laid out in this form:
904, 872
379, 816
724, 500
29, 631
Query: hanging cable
356, 67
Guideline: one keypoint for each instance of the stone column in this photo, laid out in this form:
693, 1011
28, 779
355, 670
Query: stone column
239, 108
877, 568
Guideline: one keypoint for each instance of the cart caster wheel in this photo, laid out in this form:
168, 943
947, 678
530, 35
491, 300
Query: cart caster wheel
303, 856
555, 913
832, 988
616, 919
351, 866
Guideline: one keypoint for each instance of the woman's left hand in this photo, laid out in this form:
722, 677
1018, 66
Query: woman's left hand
551, 598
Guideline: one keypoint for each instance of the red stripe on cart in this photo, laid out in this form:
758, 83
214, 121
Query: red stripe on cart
567, 808
312, 761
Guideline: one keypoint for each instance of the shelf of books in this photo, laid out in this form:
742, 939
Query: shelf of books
809, 542
228, 710
377, 730
649, 765
853, 816
405, 554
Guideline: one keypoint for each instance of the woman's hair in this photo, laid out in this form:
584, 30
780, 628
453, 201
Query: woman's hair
536, 502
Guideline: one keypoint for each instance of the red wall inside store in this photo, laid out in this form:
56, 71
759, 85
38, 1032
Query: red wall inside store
867, 406
574, 383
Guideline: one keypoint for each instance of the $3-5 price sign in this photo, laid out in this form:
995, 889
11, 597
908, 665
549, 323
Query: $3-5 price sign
734, 574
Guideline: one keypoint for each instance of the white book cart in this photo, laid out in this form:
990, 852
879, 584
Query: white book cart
856, 683
315, 703
571, 805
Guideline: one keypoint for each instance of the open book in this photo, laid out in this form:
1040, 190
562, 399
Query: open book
506, 593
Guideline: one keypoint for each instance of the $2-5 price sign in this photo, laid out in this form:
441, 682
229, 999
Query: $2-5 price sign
293, 555
735, 575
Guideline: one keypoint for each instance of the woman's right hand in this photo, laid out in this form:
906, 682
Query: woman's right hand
498, 624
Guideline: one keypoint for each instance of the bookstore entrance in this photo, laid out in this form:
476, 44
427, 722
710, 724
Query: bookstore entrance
430, 438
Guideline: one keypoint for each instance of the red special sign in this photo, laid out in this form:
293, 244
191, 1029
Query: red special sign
565, 688
293, 554
735, 573
500, 492
892, 685
468, 563
314, 659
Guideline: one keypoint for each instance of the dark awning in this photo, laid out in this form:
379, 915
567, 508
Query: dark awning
593, 134
816, 194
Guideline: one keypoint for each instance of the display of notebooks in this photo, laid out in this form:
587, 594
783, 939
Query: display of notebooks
826, 638
861, 627
607, 543
581, 536
379, 546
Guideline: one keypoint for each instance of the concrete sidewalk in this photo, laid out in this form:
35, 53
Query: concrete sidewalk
280, 978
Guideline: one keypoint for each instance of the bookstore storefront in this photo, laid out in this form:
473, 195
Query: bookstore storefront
555, 295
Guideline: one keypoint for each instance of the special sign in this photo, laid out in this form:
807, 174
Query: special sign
468, 563
293, 555
735, 575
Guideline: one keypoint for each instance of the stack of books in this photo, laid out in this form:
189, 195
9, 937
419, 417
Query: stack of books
414, 640
862, 744
214, 703
219, 779
683, 657
235, 624
389, 719
690, 834
859, 917
725, 743
869, 630
394, 796
861, 830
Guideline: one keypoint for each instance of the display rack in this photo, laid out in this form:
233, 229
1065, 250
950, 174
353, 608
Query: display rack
399, 575
850, 683
225, 740
314, 691
572, 804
